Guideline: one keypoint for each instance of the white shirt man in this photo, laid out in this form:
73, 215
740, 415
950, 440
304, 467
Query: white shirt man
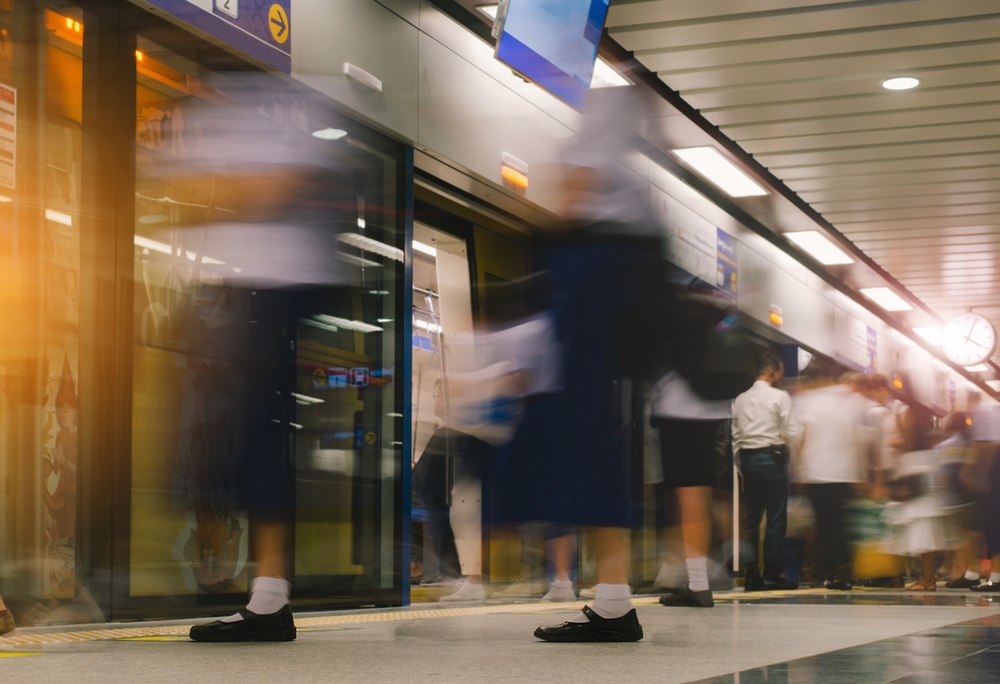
762, 417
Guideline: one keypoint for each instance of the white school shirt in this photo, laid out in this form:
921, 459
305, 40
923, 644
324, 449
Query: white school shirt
762, 416
674, 398
835, 435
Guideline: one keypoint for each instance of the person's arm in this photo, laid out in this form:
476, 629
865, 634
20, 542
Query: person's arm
788, 424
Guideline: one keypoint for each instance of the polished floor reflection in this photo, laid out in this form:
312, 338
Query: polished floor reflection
791, 638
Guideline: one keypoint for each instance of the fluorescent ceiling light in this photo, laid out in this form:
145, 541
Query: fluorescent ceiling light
150, 219
303, 399
329, 134
358, 261
886, 298
901, 83
384, 320
164, 248
361, 223
978, 368
993, 385
711, 164
425, 249
429, 327
59, 217
335, 323
605, 76
933, 335
489, 10
369, 245
819, 247
4, 199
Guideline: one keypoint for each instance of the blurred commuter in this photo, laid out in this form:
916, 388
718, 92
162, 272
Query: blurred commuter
278, 205
917, 518
6, 620
762, 426
830, 464
969, 504
688, 429
569, 463
982, 476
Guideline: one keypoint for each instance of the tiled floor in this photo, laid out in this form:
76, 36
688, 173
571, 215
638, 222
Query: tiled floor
792, 637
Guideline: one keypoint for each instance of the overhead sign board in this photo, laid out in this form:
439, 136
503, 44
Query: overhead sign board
260, 28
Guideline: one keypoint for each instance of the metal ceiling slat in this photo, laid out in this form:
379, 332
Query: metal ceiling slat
839, 21
899, 136
896, 178
930, 192
916, 59
675, 11
889, 166
938, 222
943, 113
859, 85
671, 57
845, 220
929, 201
896, 150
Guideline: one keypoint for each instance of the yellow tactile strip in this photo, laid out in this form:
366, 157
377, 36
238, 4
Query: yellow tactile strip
112, 633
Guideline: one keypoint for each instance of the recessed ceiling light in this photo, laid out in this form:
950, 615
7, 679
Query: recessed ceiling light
59, 217
901, 83
711, 164
819, 247
606, 76
329, 134
933, 335
886, 298
4, 199
993, 385
978, 368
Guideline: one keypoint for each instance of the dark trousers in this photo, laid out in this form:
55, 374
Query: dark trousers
829, 501
443, 539
765, 490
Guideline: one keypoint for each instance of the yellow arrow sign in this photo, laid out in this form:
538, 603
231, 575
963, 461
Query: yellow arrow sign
277, 21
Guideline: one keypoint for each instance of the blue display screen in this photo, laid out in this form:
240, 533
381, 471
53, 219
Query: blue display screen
554, 43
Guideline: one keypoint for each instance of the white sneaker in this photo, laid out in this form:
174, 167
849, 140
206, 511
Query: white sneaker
560, 593
520, 590
588, 593
467, 592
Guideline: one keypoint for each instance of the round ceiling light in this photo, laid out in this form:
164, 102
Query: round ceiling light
329, 134
901, 83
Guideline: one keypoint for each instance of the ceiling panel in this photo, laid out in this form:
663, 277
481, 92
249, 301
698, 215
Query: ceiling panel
912, 178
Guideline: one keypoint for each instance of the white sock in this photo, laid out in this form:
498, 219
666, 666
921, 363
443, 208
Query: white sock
610, 601
267, 595
562, 584
969, 575
697, 573
995, 577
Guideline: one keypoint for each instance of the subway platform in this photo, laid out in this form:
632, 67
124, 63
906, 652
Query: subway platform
787, 637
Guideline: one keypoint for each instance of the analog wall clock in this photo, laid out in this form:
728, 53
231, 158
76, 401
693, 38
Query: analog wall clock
969, 339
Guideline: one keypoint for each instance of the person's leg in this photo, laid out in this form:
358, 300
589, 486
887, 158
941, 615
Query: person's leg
821, 501
927, 577
753, 510
6, 620
841, 548
776, 505
696, 530
613, 596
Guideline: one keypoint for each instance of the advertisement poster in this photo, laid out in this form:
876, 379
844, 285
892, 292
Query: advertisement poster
871, 359
727, 265
692, 242
8, 136
857, 343
59, 443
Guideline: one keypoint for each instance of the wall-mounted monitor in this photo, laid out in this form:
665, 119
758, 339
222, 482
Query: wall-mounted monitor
553, 43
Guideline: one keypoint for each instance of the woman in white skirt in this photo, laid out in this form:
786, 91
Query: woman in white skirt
919, 521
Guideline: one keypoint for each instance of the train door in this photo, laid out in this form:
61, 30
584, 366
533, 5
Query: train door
454, 261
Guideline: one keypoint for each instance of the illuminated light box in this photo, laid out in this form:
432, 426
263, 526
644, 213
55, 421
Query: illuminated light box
553, 43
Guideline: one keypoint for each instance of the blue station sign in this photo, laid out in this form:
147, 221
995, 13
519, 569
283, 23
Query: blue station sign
259, 28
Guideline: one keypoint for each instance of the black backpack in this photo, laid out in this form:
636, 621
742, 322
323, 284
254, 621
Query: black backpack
709, 347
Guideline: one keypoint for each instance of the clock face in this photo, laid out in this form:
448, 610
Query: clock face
969, 339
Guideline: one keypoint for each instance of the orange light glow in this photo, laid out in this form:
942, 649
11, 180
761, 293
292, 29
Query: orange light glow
69, 23
76, 26
776, 318
968, 421
514, 177
138, 55
897, 383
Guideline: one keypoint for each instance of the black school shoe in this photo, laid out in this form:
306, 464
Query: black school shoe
688, 598
625, 628
962, 583
779, 584
986, 586
253, 627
